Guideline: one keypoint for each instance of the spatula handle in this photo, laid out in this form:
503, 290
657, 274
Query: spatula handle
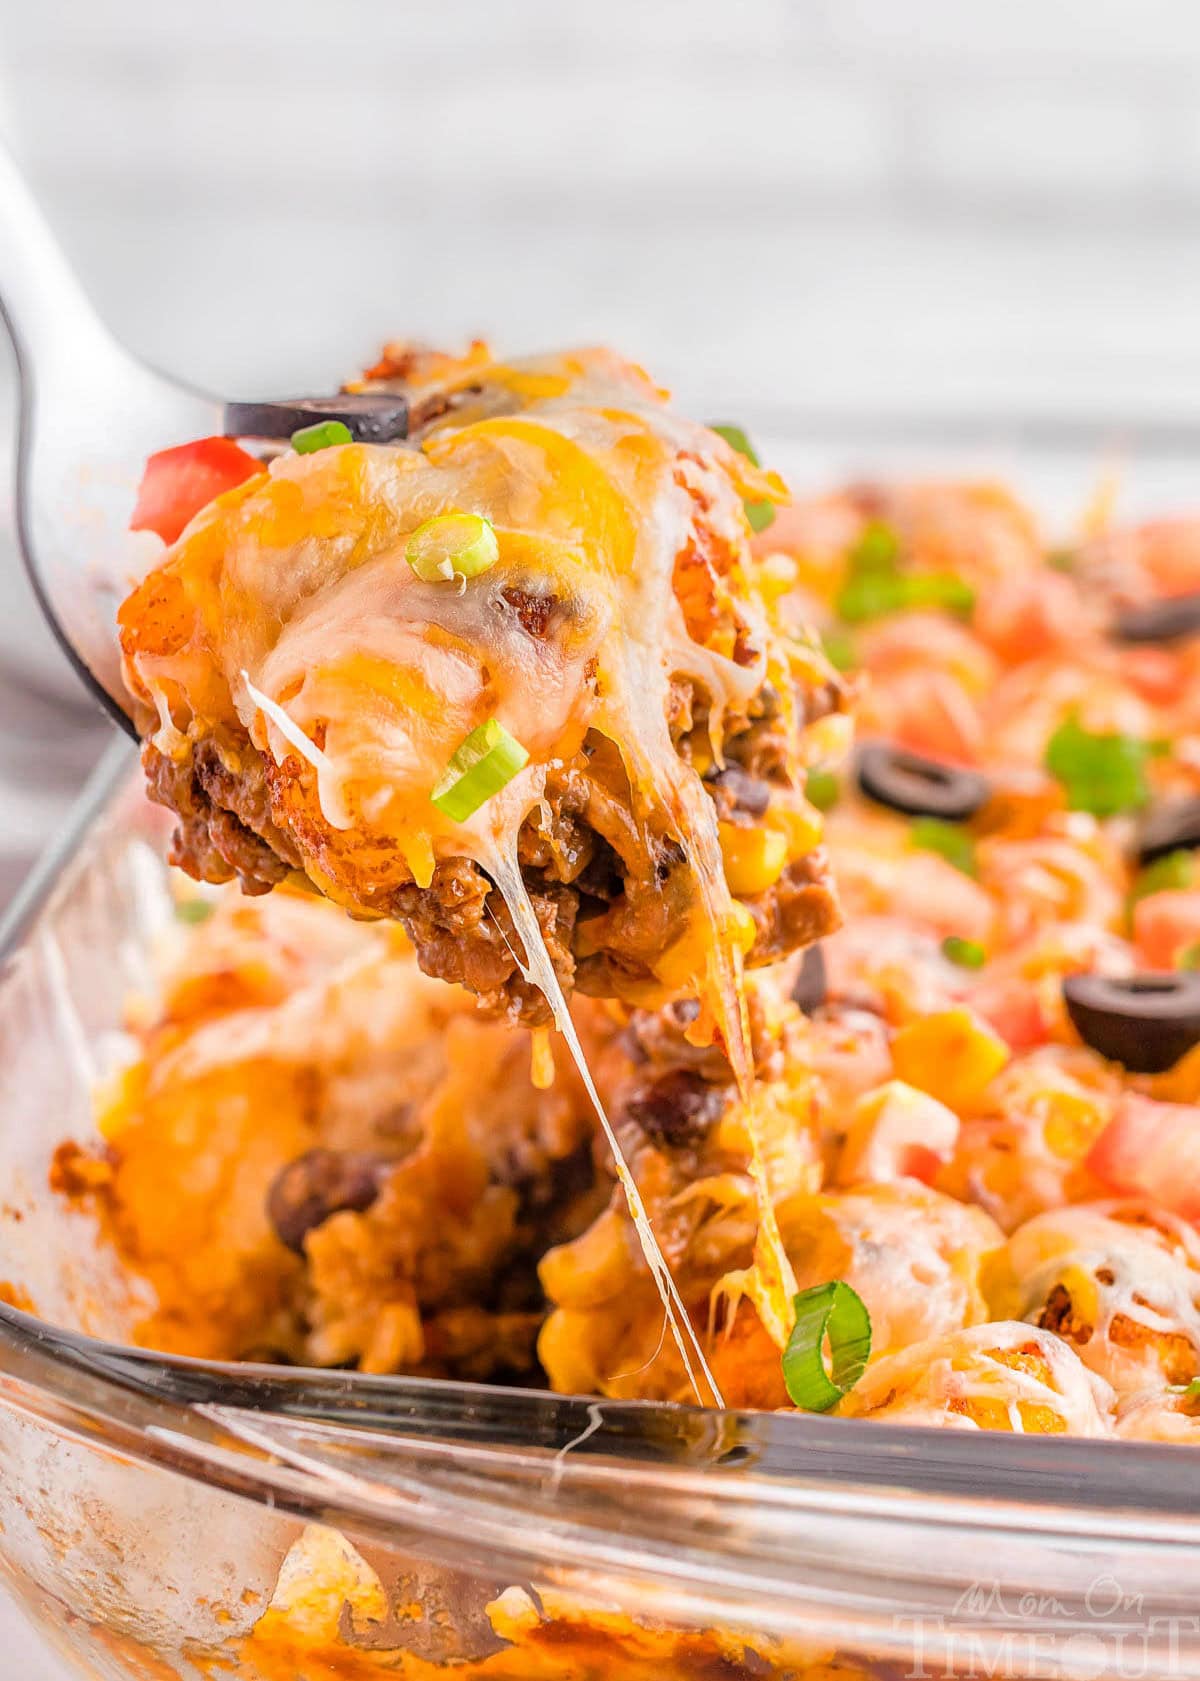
45, 308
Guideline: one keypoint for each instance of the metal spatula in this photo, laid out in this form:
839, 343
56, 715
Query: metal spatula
90, 415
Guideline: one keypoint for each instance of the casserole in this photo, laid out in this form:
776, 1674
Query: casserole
171, 1517
150, 1505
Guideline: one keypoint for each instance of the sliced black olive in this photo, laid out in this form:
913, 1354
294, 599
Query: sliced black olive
812, 982
1173, 826
919, 787
373, 417
1159, 621
319, 1184
1145, 1022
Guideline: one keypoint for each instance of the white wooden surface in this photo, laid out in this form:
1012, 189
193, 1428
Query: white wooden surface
857, 203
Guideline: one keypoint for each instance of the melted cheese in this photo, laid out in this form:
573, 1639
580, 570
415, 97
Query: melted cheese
326, 645
538, 969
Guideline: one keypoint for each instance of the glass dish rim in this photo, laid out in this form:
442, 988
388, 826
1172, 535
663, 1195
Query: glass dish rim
176, 1411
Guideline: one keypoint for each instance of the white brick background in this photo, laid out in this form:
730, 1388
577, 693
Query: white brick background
885, 206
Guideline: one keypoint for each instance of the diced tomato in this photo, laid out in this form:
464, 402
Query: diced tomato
1156, 673
1011, 1005
1164, 924
926, 642
1152, 1149
179, 482
933, 894
1027, 614
1169, 551
897, 1132
927, 711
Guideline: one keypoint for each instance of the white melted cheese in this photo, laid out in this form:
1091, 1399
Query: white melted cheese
539, 971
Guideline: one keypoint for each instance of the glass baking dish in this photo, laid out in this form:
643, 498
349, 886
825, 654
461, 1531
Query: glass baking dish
162, 1518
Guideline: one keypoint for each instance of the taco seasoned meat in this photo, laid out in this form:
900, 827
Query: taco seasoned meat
525, 653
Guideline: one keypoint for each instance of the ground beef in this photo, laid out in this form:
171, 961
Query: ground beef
801, 907
534, 611
580, 855
462, 932
225, 829
1058, 1315
657, 1040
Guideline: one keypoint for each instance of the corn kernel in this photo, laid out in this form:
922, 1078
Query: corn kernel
754, 858
952, 1055
745, 929
800, 823
702, 758
776, 575
541, 1058
593, 1268
682, 965
564, 1349
1072, 1124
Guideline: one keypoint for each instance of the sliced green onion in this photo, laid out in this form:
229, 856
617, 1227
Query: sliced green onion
193, 911
486, 761
1062, 560
1189, 1393
323, 435
968, 954
1189, 958
452, 546
836, 1314
1103, 774
821, 788
1175, 870
760, 514
949, 840
877, 550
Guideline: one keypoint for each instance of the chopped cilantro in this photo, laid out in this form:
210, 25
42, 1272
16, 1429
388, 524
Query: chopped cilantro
877, 549
839, 648
737, 438
761, 514
950, 840
193, 911
1103, 774
875, 586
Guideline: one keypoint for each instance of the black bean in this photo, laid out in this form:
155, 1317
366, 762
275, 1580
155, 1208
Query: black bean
319, 1184
916, 786
1159, 621
812, 982
1146, 1022
678, 1108
372, 417
748, 793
